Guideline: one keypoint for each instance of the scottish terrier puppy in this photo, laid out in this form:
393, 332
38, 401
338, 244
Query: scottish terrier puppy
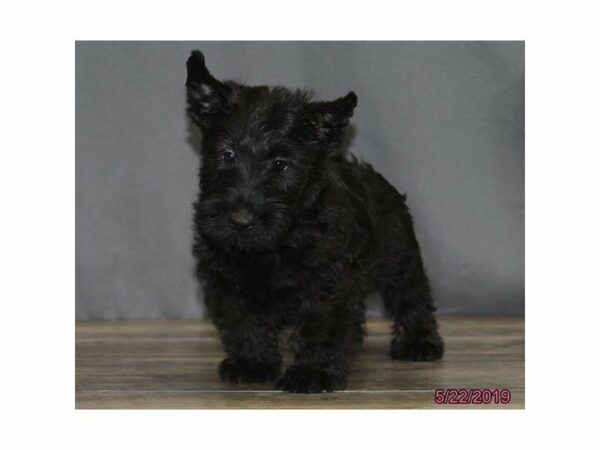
290, 231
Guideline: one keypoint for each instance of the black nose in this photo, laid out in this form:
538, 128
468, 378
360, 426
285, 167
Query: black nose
242, 219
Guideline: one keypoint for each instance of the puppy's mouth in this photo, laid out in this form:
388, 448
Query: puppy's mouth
241, 227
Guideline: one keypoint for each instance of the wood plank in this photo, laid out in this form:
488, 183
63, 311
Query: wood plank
172, 364
261, 399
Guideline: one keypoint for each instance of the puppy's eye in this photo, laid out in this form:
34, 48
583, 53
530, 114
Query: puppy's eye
280, 164
227, 156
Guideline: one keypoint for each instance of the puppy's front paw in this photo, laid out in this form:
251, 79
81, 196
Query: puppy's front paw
427, 347
309, 379
241, 370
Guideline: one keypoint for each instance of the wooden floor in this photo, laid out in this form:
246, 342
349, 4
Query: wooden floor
173, 364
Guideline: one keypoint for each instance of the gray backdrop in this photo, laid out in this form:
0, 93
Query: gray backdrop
443, 121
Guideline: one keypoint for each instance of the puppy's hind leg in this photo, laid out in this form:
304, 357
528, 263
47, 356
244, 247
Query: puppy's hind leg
406, 294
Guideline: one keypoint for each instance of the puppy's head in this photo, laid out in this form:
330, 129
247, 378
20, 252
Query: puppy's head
262, 150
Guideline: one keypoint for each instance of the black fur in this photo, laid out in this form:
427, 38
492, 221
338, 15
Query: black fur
291, 231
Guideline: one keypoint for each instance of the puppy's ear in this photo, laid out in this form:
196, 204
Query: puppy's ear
207, 97
326, 121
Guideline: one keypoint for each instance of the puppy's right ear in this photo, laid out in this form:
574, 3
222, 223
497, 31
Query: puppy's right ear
207, 97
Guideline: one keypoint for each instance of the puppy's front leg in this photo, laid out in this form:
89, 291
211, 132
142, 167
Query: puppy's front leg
250, 341
324, 341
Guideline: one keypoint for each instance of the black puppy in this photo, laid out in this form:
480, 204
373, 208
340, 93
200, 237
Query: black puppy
290, 231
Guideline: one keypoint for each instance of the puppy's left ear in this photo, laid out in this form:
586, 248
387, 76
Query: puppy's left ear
328, 120
207, 97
